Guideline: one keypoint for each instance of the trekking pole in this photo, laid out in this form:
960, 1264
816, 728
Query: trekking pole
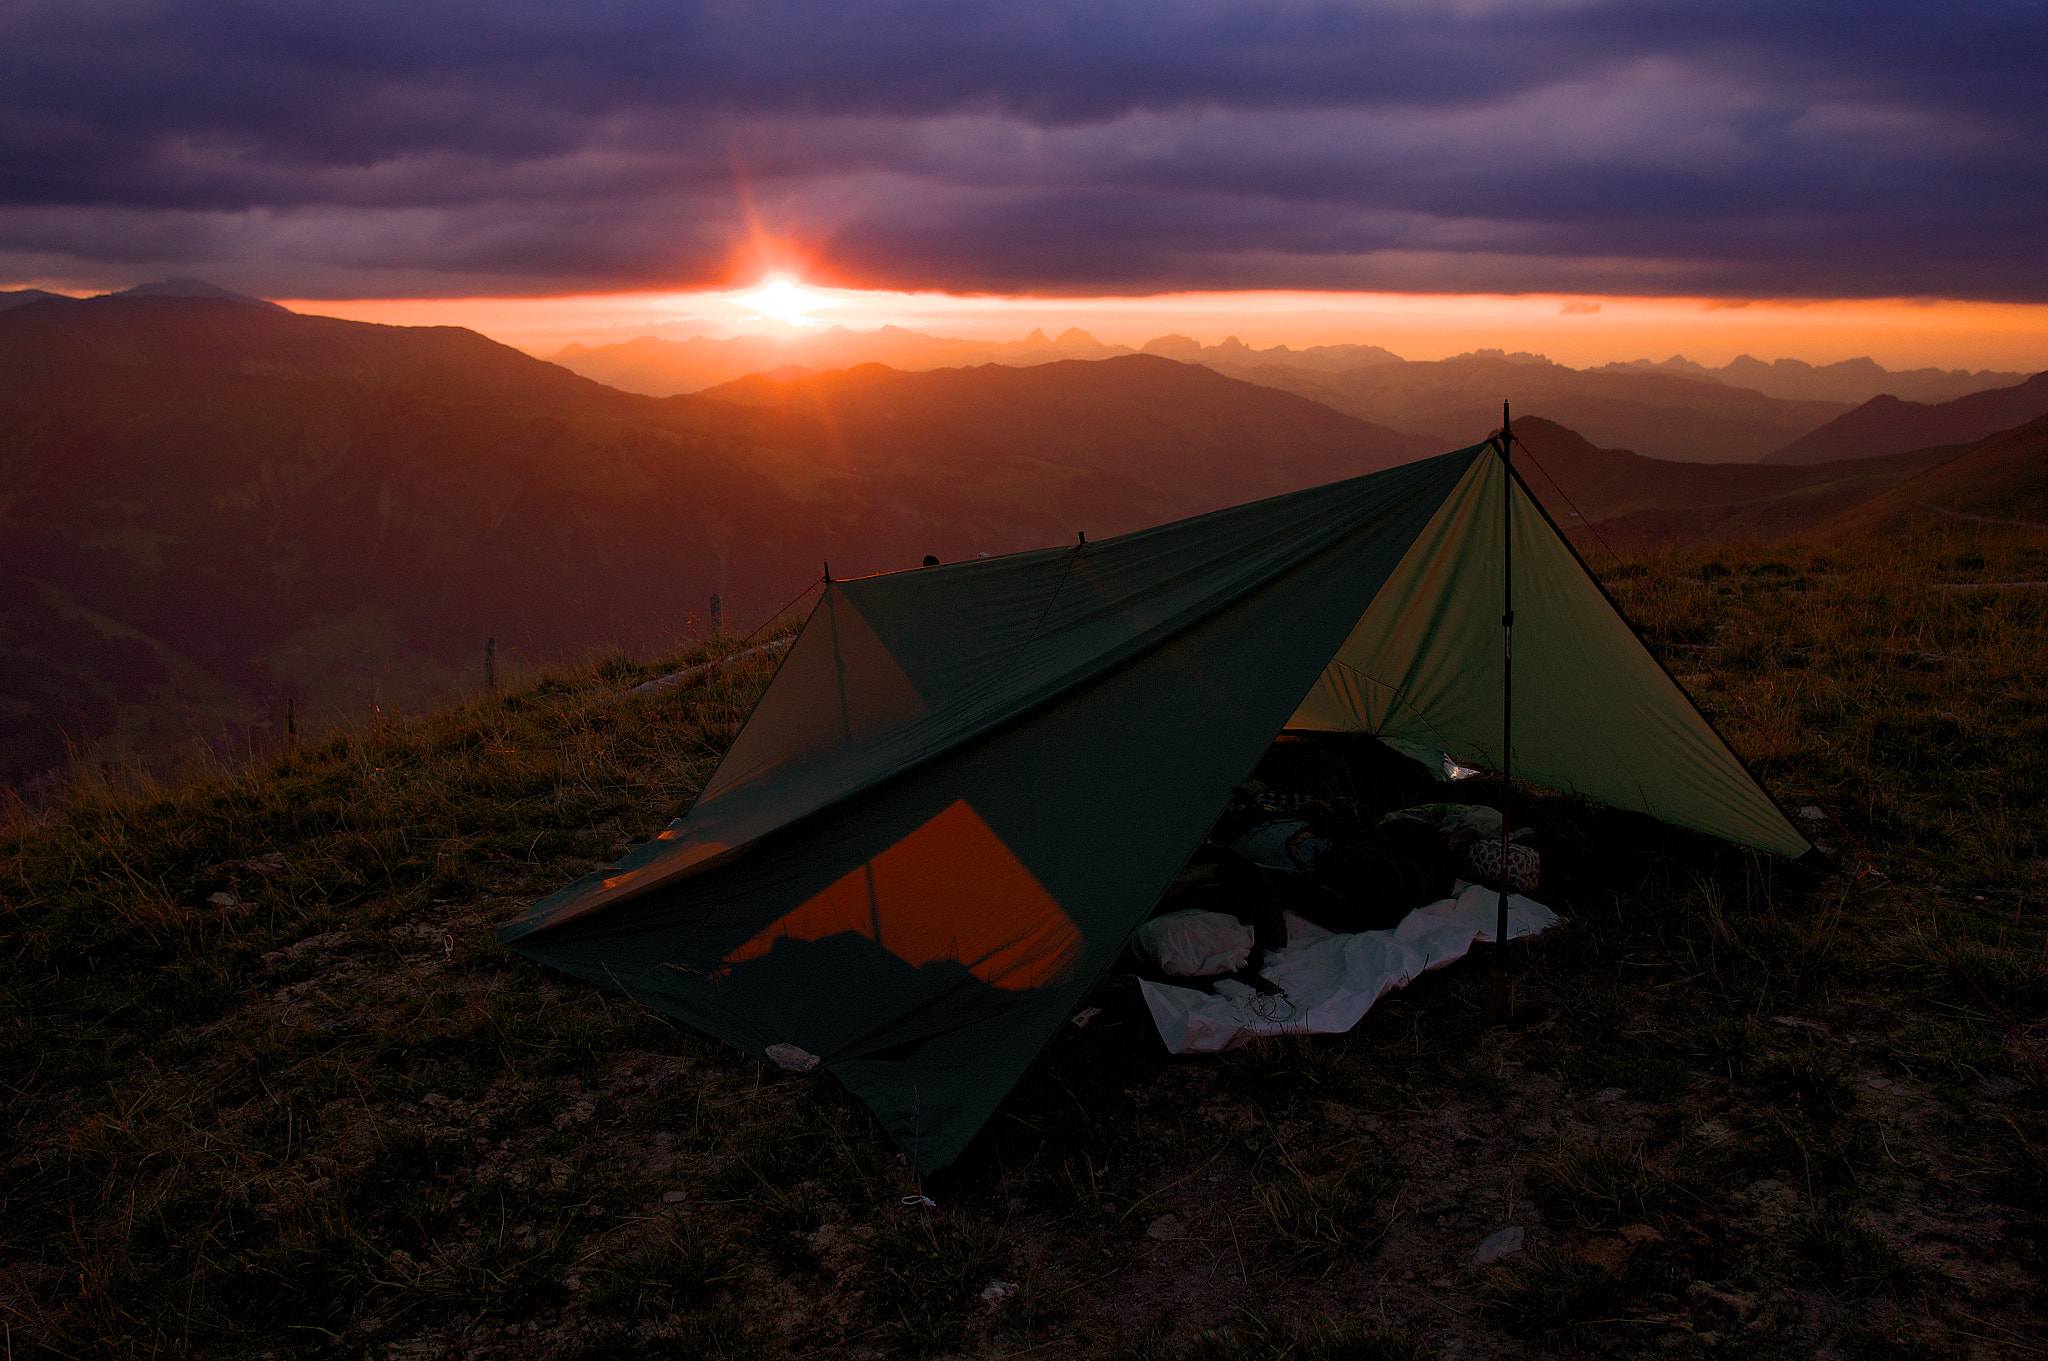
1497, 994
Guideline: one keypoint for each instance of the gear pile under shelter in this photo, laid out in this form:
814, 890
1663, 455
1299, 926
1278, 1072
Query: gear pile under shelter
967, 785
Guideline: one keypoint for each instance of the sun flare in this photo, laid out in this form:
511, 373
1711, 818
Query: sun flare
788, 302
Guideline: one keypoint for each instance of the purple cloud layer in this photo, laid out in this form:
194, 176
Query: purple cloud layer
338, 149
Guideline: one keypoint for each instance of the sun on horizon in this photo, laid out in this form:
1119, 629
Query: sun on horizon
788, 302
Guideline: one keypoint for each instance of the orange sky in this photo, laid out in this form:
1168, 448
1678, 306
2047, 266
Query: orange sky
1581, 331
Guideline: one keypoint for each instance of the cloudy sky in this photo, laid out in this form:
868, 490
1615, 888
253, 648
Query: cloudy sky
342, 149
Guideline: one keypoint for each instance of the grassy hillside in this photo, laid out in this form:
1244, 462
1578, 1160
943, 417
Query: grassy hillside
274, 1089
2001, 480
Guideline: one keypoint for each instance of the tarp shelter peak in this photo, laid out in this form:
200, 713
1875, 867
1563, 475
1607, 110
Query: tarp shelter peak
966, 785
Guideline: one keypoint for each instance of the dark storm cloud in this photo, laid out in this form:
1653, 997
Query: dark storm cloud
1752, 149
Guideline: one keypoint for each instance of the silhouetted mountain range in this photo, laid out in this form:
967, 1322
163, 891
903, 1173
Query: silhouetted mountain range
1316, 358
1619, 498
1215, 440
1458, 401
21, 297
208, 506
1851, 380
192, 288
1886, 425
1675, 409
664, 368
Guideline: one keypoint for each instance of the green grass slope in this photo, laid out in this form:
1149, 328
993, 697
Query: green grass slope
273, 1089
2000, 480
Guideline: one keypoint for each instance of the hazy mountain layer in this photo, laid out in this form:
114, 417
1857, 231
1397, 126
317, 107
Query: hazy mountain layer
1214, 439
1458, 401
1886, 425
1316, 358
666, 367
1619, 498
207, 507
1851, 380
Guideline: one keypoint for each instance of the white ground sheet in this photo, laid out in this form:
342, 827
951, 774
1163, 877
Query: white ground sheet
1329, 981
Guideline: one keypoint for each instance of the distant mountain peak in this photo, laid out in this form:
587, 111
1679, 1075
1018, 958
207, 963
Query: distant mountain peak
1677, 364
1517, 357
193, 288
1886, 424
1184, 348
22, 297
1848, 380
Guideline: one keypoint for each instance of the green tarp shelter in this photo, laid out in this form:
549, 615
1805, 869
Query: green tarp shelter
966, 785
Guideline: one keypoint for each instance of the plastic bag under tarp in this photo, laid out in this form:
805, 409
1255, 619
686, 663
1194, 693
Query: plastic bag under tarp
1327, 981
1288, 845
1194, 943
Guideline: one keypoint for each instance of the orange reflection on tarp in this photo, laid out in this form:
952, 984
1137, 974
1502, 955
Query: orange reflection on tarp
949, 890
662, 870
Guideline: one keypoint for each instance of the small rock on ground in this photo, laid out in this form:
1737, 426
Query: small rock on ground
1505, 1243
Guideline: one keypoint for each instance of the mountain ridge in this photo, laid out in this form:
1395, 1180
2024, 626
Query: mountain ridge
210, 508
1658, 415
1887, 425
662, 367
1062, 410
1662, 414
1848, 380
2001, 480
1620, 498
